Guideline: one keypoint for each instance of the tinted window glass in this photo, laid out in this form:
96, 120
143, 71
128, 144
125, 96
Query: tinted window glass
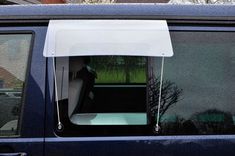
202, 75
14, 51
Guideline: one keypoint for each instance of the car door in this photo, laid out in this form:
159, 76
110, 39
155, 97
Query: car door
22, 90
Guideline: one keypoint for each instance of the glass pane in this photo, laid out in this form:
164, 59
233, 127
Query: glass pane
199, 81
14, 51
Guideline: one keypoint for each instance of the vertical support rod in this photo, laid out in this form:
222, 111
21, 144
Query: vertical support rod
59, 125
159, 98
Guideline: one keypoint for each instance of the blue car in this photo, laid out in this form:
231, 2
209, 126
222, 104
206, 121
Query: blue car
117, 80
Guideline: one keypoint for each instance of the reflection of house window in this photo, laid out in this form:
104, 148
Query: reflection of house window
1, 83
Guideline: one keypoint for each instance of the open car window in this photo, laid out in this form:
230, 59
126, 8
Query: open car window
103, 90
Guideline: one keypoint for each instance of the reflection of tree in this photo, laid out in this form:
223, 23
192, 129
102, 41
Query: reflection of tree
170, 95
213, 121
172, 127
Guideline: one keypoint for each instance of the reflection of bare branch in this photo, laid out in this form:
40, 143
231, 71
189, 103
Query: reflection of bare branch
215, 2
170, 95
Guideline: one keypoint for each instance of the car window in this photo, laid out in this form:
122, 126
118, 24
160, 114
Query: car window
202, 75
107, 90
14, 51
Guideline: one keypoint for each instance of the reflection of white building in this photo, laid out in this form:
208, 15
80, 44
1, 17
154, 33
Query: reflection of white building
14, 50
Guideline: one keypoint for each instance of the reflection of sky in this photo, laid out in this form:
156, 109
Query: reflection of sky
203, 66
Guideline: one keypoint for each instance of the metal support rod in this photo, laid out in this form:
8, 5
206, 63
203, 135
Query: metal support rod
159, 98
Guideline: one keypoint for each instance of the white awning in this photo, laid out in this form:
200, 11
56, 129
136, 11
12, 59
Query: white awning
108, 37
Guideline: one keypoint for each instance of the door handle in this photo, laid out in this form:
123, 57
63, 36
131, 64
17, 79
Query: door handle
13, 154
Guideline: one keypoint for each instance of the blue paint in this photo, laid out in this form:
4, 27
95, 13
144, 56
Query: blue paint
166, 10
